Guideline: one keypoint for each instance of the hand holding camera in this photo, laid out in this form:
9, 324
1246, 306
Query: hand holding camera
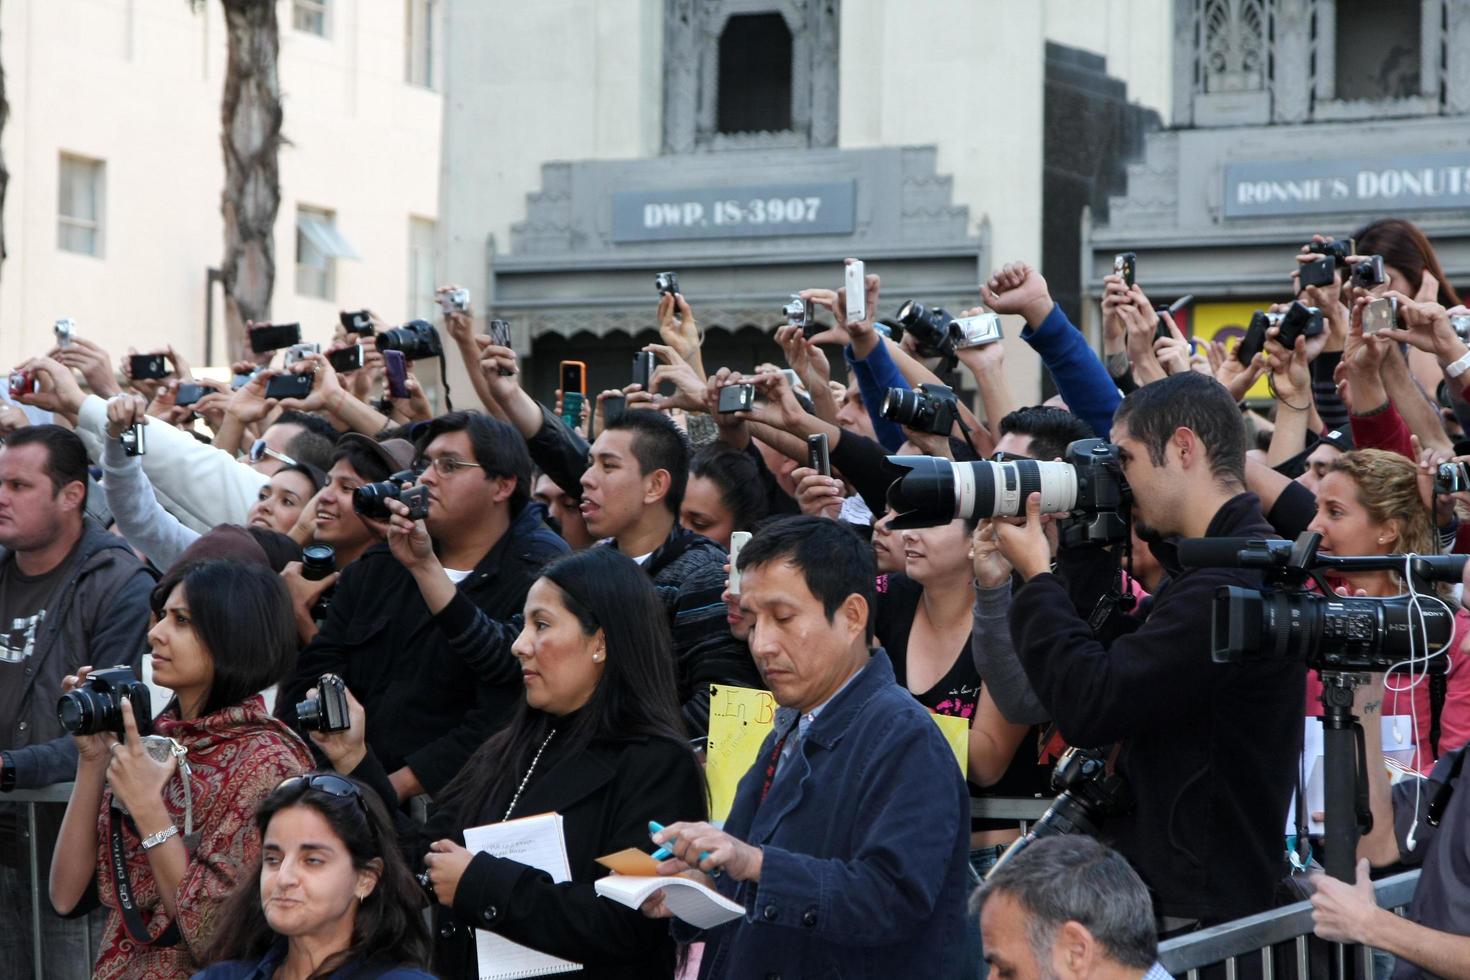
136, 774
92, 362
773, 402
676, 326
47, 385
1291, 383
805, 357
248, 403
858, 327
499, 366
1024, 544
94, 745
818, 495
345, 747
126, 417
408, 538
674, 369
1422, 324
1173, 351
989, 565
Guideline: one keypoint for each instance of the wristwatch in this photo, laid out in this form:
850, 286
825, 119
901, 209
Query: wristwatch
153, 840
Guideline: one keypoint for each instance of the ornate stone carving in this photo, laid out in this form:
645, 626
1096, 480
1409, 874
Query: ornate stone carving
1291, 83
1233, 45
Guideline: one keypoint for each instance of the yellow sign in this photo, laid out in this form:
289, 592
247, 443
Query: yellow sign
1226, 322
739, 720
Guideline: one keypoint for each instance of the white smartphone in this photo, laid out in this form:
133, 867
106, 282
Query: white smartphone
737, 541
857, 293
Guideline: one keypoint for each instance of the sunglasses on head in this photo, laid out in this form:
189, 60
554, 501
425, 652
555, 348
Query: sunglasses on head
329, 783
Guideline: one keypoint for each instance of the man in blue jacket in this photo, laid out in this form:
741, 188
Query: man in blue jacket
848, 838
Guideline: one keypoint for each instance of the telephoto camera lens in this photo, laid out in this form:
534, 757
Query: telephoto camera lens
935, 491
318, 561
368, 499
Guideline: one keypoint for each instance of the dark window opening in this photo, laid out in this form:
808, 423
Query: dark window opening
754, 94
1377, 49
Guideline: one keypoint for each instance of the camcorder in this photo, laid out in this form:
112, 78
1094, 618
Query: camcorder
1339, 250
932, 408
1287, 620
1088, 485
416, 340
96, 706
1088, 794
370, 499
327, 712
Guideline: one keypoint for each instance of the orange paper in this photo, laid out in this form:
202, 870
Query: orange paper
630, 861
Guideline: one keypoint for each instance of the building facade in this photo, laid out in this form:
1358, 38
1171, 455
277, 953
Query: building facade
749, 146
1293, 117
113, 145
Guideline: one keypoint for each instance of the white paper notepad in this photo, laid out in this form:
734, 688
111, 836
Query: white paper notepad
539, 842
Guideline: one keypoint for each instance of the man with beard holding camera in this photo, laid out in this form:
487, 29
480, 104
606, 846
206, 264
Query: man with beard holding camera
71, 595
394, 627
1208, 749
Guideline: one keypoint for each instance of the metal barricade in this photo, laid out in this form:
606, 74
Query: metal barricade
28, 798
1255, 935
1020, 808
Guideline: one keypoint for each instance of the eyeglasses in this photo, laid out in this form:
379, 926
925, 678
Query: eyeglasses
1005, 457
259, 451
329, 783
445, 465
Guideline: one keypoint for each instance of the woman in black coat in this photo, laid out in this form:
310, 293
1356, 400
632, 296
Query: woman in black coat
599, 740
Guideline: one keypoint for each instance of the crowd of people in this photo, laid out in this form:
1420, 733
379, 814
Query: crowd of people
378, 627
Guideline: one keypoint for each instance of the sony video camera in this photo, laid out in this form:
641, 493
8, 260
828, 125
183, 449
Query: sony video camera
1287, 620
1088, 484
96, 706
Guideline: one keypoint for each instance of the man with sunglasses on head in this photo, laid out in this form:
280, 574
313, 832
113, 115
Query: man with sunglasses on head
395, 630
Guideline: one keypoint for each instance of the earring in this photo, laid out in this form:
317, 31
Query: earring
597, 658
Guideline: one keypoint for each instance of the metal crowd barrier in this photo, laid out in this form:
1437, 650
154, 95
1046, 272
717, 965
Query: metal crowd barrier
58, 793
1255, 935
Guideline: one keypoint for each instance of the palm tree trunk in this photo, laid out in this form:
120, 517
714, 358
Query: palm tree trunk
250, 116
4, 170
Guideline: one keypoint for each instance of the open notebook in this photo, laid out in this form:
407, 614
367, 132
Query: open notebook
539, 842
634, 879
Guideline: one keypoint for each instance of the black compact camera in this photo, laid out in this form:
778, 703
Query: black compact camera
370, 499
737, 398
1089, 794
1087, 484
1254, 340
359, 322
350, 358
929, 408
1451, 478
1287, 620
96, 706
132, 440
415, 340
148, 367
666, 282
317, 562
933, 328
1339, 250
1318, 272
1300, 320
1368, 272
327, 712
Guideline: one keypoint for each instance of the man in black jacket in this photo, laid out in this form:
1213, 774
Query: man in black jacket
387, 635
1209, 749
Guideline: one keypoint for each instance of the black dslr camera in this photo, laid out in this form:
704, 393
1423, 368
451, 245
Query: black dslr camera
370, 499
932, 327
96, 706
1089, 794
1286, 620
327, 712
1339, 250
415, 340
929, 408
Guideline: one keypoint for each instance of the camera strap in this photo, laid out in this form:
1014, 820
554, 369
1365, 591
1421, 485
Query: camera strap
122, 891
1438, 689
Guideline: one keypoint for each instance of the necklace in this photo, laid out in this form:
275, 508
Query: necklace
537, 758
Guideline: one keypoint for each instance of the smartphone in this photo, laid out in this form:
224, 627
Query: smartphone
738, 540
1161, 329
347, 359
148, 367
289, 386
613, 407
817, 454
395, 373
1318, 272
571, 408
359, 322
268, 337
188, 393
1125, 264
573, 377
857, 292
643, 365
1381, 314
499, 333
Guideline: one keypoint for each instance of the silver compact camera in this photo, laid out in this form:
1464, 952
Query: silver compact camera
65, 330
1460, 323
1381, 314
454, 301
297, 353
977, 330
132, 440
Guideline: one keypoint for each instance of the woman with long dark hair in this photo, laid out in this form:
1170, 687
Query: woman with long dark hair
724, 494
331, 896
598, 739
177, 824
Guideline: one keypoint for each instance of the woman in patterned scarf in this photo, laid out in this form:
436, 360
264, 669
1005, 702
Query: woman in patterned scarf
163, 841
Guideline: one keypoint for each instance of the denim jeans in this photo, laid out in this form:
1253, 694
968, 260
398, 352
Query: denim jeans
69, 946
